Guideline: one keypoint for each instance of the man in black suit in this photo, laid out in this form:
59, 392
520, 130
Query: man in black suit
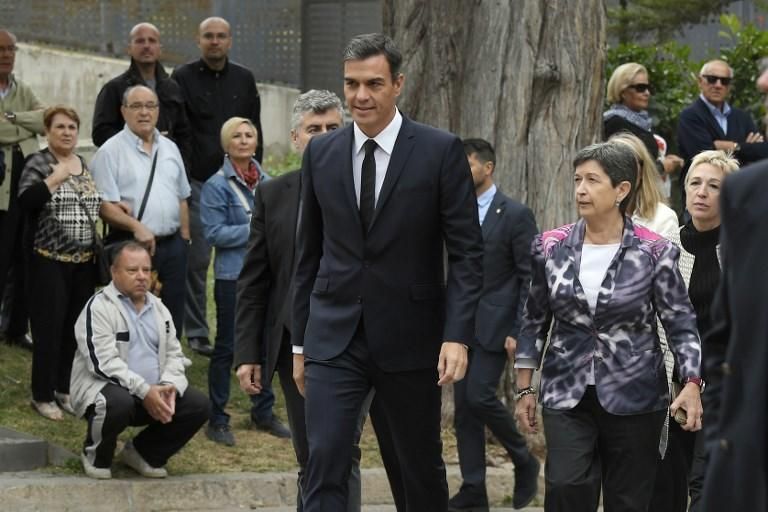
508, 229
381, 198
263, 327
736, 351
711, 122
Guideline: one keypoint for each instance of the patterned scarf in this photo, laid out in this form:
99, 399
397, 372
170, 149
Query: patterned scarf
250, 176
640, 119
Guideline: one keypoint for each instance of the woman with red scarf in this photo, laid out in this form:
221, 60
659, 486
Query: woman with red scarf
226, 202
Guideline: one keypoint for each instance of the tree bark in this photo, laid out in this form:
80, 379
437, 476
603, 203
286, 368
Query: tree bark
527, 75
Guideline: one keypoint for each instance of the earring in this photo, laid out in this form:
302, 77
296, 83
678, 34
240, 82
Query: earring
618, 202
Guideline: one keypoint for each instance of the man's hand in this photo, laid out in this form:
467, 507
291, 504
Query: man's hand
510, 345
452, 363
525, 412
672, 163
145, 237
249, 376
123, 205
689, 400
298, 372
158, 403
754, 137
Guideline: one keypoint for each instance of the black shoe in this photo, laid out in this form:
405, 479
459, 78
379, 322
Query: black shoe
24, 341
526, 483
272, 426
201, 345
220, 434
469, 499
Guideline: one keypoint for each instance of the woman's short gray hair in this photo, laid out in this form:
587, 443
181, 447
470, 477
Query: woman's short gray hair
617, 161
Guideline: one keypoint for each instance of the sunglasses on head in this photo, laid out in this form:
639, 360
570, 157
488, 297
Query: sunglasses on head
640, 87
712, 79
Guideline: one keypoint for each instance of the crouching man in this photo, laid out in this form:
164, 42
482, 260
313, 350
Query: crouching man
129, 371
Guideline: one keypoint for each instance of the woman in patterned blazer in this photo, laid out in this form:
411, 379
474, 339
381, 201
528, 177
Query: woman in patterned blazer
599, 285
682, 469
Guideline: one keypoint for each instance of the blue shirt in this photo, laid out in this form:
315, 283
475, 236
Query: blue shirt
144, 340
484, 202
121, 170
721, 116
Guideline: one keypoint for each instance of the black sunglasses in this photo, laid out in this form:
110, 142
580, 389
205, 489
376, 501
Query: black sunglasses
640, 87
712, 79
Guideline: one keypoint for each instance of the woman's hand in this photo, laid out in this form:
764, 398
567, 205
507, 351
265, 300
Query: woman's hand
525, 413
689, 400
672, 163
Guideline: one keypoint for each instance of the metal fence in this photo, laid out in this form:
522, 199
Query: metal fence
267, 34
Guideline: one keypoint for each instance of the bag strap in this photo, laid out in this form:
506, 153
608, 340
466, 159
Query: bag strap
149, 186
81, 202
238, 192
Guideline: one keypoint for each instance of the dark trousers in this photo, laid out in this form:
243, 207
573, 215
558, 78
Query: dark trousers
170, 261
116, 409
13, 274
409, 403
670, 492
220, 367
587, 445
58, 292
294, 404
195, 317
477, 406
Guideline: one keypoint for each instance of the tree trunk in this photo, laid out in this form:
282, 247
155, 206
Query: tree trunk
527, 75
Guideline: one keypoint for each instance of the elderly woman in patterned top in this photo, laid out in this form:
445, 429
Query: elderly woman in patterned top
60, 198
599, 284
681, 471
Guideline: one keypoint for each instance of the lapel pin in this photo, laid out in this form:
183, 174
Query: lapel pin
498, 210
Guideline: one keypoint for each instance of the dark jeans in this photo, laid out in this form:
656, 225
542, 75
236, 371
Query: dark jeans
170, 261
587, 446
13, 274
196, 319
477, 406
220, 368
116, 409
58, 292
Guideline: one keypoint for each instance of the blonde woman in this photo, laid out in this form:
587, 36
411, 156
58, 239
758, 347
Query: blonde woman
647, 206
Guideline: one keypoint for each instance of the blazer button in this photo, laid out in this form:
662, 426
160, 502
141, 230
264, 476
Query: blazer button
724, 444
359, 299
726, 369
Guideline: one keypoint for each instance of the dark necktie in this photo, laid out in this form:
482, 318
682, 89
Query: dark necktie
368, 185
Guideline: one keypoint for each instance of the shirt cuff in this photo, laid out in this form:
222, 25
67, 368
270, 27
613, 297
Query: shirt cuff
298, 349
527, 363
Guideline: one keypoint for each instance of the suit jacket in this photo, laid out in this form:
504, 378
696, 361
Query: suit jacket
642, 281
736, 350
697, 130
508, 230
263, 296
392, 276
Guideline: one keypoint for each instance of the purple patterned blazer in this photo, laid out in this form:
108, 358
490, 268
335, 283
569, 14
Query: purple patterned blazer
642, 281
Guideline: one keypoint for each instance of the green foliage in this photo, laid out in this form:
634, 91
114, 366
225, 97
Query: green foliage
672, 76
277, 165
746, 46
659, 20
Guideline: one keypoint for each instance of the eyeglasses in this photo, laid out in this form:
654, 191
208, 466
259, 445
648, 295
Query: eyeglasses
8, 49
712, 79
138, 106
640, 87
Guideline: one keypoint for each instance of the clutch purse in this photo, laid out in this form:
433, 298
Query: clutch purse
681, 417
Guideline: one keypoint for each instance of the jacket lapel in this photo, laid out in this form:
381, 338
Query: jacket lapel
492, 216
402, 150
574, 244
293, 191
343, 155
711, 119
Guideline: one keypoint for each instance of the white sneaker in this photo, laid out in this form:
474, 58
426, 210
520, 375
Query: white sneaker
64, 403
135, 461
94, 472
48, 410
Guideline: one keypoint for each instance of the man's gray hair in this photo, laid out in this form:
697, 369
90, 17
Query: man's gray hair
132, 88
10, 34
705, 67
317, 102
617, 160
364, 46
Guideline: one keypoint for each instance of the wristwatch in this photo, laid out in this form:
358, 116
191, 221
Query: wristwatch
736, 147
698, 381
10, 116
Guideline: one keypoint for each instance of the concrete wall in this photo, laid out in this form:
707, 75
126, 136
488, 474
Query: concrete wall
74, 79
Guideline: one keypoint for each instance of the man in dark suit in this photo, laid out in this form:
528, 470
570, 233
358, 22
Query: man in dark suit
711, 122
736, 351
263, 327
508, 229
381, 198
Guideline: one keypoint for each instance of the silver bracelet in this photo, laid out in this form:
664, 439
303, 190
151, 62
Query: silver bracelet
530, 390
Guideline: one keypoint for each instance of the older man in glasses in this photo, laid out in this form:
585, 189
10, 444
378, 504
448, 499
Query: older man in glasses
711, 123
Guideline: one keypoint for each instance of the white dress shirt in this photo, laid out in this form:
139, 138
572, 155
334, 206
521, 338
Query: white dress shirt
385, 142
